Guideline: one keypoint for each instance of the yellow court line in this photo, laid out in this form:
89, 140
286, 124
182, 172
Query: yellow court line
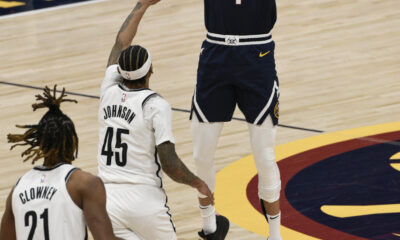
232, 181
395, 165
396, 156
5, 4
341, 211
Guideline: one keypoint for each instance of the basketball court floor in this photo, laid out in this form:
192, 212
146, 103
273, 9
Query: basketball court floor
339, 135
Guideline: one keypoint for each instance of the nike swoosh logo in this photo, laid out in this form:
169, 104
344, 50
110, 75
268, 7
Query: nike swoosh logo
263, 54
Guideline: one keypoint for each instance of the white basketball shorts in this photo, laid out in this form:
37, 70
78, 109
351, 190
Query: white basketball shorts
139, 212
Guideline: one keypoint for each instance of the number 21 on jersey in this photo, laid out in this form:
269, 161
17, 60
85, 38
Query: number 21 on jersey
33, 216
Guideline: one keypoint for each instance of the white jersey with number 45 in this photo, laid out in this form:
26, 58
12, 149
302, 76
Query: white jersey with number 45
132, 123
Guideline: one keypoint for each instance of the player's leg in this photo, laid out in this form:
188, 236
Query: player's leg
213, 104
257, 92
205, 140
262, 137
269, 184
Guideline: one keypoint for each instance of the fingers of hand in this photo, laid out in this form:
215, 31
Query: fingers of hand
152, 2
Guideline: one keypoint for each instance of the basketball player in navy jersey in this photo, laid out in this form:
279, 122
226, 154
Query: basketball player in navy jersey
237, 66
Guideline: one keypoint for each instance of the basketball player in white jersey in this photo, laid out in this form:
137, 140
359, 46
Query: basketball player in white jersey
56, 200
136, 141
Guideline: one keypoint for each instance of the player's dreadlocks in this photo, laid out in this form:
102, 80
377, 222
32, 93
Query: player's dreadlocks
132, 59
54, 138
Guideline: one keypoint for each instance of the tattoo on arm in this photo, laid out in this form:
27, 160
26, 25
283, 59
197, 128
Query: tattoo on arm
118, 46
115, 52
128, 19
173, 166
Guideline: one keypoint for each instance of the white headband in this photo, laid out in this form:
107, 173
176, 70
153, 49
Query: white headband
138, 73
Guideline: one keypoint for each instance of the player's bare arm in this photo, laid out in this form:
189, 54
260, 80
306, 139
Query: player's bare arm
177, 170
7, 228
89, 194
128, 30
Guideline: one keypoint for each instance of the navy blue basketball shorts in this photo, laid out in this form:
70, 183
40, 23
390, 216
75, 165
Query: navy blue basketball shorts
242, 75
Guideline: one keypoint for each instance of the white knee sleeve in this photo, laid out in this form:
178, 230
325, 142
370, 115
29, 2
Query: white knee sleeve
205, 140
263, 145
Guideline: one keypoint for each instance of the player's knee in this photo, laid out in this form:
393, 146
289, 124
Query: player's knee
208, 176
203, 162
269, 194
267, 155
205, 169
269, 181
203, 157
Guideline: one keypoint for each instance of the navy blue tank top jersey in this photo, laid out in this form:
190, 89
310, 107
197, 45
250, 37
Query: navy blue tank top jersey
240, 17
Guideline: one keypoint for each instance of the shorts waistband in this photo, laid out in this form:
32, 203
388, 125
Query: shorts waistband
239, 40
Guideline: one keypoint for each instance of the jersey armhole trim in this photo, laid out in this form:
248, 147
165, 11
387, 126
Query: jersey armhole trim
86, 233
69, 174
148, 98
66, 192
17, 182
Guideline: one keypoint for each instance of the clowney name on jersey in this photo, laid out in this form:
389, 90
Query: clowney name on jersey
40, 192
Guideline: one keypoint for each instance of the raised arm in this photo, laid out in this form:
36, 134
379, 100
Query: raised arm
7, 228
128, 30
177, 170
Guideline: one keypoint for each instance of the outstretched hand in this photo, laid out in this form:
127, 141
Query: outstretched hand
148, 2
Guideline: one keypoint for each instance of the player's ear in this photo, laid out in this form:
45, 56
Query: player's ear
148, 76
151, 69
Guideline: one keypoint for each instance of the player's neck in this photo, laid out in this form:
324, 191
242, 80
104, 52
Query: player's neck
50, 162
133, 85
